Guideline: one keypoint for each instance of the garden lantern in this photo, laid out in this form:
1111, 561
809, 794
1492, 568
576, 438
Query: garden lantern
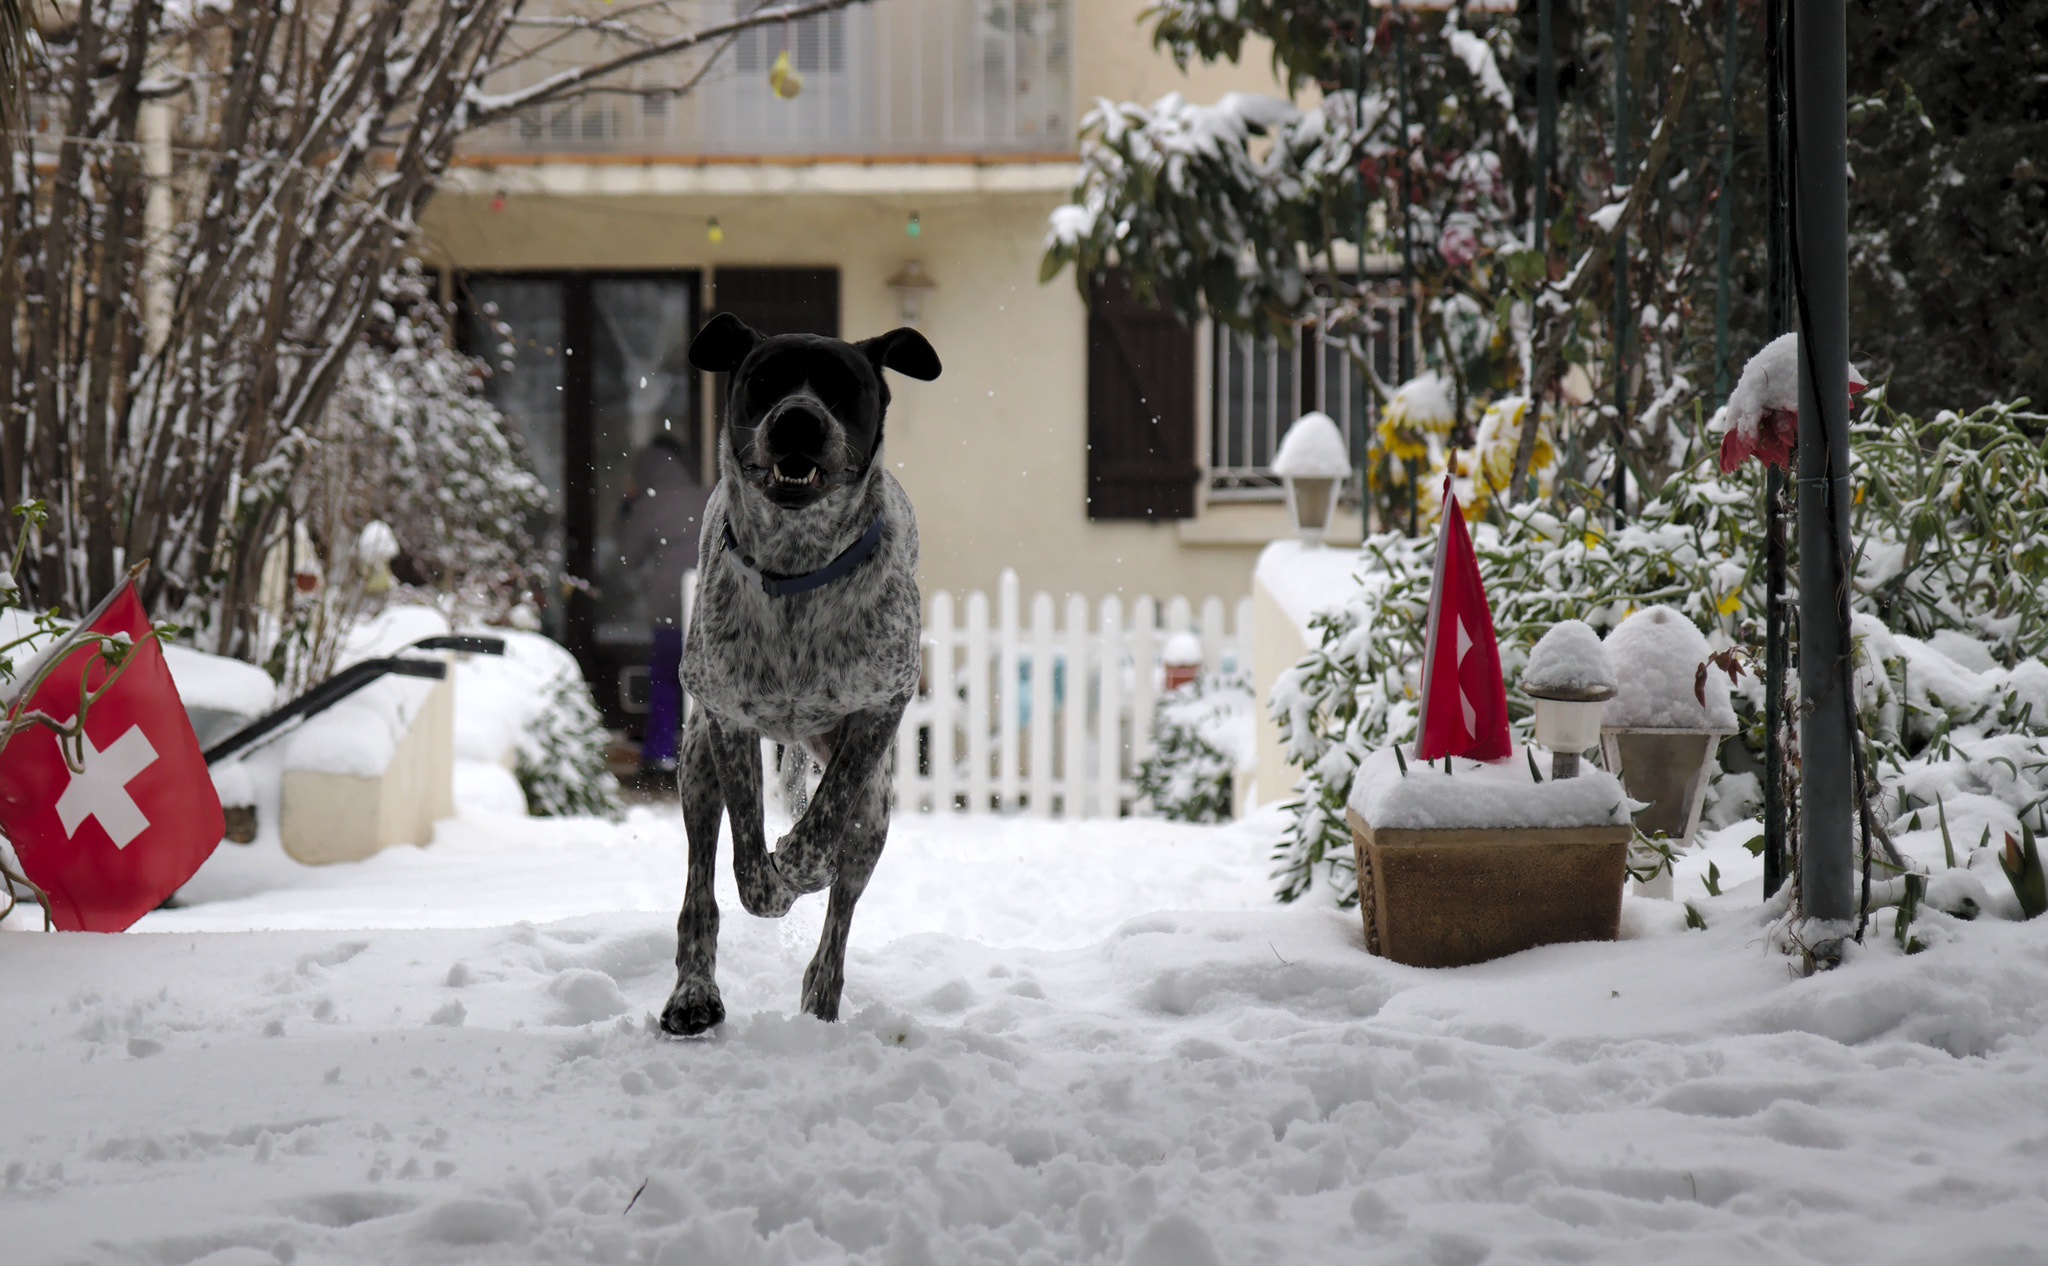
1570, 681
911, 283
1665, 724
1312, 463
1182, 659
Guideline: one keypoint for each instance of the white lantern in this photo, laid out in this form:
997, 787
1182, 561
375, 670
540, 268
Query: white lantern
1569, 679
1312, 463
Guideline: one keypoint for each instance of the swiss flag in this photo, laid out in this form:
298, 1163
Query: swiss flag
1464, 702
111, 840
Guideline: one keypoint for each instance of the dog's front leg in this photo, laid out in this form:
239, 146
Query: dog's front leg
694, 1004
764, 891
808, 857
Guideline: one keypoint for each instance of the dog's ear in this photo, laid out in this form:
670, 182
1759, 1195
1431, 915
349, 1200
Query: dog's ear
903, 350
721, 345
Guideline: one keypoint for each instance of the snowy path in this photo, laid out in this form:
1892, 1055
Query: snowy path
1065, 1044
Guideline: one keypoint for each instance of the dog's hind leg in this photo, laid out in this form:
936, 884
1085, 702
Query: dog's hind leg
694, 1005
859, 850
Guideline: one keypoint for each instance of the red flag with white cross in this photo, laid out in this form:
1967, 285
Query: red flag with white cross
111, 830
1464, 701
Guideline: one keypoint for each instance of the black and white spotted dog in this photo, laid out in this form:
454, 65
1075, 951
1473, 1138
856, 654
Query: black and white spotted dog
805, 631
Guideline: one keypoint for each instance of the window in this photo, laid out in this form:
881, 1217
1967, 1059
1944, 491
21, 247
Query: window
1258, 388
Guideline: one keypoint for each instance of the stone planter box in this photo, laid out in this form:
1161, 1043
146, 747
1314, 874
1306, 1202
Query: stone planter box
1446, 897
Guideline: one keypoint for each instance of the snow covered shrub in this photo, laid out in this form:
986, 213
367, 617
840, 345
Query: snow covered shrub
1201, 733
559, 736
410, 470
1356, 691
1951, 521
561, 755
1951, 515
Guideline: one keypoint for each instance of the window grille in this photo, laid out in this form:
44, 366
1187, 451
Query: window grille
1259, 387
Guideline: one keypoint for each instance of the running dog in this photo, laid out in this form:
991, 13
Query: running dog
805, 631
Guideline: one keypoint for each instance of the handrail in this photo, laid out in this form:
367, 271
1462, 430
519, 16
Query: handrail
351, 679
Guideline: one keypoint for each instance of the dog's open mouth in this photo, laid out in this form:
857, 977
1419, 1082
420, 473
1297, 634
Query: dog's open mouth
795, 471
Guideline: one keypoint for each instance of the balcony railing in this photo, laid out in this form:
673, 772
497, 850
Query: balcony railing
894, 77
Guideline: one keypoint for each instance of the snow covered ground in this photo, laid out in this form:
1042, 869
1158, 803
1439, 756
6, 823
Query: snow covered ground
1064, 1043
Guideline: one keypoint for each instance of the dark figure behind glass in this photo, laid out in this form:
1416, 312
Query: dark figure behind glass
659, 525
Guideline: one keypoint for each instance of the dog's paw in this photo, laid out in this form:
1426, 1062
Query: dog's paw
693, 1008
822, 988
805, 864
765, 896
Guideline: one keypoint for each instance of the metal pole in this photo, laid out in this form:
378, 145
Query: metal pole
1724, 209
1820, 209
1621, 308
1363, 450
1405, 357
1780, 314
1546, 124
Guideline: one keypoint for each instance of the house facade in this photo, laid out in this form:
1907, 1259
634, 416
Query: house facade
1095, 447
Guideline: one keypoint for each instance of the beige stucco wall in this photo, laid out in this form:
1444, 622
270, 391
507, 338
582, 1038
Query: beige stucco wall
1114, 58
993, 453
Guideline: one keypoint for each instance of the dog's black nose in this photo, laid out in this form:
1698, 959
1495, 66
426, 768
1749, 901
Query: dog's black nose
797, 430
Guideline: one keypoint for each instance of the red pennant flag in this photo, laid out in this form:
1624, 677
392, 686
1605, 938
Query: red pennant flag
1464, 702
111, 840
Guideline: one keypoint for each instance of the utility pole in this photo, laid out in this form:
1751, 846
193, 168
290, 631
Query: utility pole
1820, 213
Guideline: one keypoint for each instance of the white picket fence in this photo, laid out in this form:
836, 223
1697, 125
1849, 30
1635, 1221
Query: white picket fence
992, 732
989, 733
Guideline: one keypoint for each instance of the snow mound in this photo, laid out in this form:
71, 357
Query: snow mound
1313, 447
1423, 401
360, 734
1482, 794
1569, 662
1657, 656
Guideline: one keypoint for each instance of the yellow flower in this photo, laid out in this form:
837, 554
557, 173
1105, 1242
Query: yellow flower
1401, 442
1729, 604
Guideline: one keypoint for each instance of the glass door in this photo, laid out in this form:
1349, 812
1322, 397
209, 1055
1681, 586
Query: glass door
591, 368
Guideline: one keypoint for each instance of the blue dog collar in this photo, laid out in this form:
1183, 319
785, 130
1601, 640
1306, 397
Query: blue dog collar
776, 586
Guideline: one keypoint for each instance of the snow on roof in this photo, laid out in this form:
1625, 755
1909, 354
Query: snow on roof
1313, 446
1569, 662
1482, 794
1657, 656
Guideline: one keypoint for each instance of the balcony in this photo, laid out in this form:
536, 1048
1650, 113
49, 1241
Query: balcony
902, 79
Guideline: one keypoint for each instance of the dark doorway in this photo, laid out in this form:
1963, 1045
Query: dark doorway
775, 301
594, 367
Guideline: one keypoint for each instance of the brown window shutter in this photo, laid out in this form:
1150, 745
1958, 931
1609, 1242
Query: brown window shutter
1141, 407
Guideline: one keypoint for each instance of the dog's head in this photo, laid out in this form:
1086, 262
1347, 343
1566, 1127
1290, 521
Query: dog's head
805, 415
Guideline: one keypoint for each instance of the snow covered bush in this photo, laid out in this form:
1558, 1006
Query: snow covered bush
533, 700
1201, 733
1951, 520
409, 468
1357, 690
